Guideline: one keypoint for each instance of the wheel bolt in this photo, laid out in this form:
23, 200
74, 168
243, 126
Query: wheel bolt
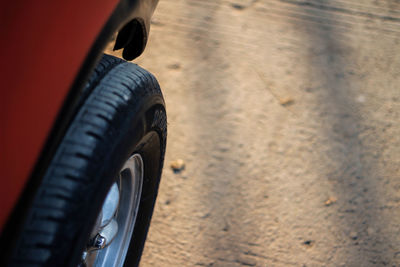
99, 242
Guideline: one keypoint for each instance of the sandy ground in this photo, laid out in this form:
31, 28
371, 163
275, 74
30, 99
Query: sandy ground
287, 115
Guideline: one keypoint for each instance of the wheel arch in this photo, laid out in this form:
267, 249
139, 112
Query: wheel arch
132, 38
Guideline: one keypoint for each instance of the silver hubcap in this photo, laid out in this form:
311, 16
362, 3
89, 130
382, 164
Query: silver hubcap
111, 235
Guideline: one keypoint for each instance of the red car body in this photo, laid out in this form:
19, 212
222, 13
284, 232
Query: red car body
48, 49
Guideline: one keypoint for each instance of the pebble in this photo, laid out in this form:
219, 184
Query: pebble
330, 201
287, 101
308, 243
175, 66
177, 165
354, 235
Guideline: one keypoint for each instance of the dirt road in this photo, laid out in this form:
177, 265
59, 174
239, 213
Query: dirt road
287, 115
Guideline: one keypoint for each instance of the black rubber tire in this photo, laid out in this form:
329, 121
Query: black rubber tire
123, 113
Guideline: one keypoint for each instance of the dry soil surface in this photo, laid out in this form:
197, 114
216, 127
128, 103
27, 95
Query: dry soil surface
287, 116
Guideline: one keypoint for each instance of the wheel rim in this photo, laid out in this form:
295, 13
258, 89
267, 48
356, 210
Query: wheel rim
112, 233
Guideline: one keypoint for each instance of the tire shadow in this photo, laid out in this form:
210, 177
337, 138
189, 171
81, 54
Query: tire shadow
220, 188
350, 145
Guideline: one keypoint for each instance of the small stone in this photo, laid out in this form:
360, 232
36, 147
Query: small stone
238, 6
308, 243
177, 165
330, 201
226, 228
354, 235
286, 101
175, 66
205, 216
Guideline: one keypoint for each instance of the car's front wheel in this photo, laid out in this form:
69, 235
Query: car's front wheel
94, 205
